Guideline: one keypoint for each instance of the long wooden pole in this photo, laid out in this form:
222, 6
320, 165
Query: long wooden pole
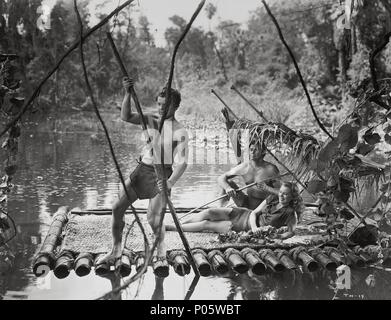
260, 113
225, 105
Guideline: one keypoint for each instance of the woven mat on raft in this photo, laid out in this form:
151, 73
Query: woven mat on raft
92, 233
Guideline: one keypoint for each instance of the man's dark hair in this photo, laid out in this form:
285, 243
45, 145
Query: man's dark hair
258, 145
175, 96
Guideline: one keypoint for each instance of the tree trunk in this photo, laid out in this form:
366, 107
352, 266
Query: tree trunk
339, 38
241, 58
353, 39
342, 68
222, 64
178, 81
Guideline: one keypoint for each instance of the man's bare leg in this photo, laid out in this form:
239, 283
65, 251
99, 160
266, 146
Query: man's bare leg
117, 226
156, 205
158, 293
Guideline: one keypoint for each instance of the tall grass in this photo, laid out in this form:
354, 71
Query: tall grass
200, 107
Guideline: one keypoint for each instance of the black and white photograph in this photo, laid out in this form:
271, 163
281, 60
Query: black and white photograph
204, 152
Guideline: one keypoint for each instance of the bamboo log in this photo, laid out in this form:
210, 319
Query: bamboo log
254, 261
202, 262
300, 254
45, 259
354, 260
218, 262
235, 260
43, 264
285, 259
334, 255
101, 269
271, 260
178, 260
124, 265
83, 264
160, 267
323, 259
363, 255
64, 264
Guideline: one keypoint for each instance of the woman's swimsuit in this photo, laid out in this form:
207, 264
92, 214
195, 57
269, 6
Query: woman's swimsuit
277, 218
272, 216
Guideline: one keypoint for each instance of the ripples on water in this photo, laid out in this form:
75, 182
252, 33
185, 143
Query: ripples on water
75, 169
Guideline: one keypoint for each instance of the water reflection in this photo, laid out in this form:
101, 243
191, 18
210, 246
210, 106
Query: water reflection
59, 166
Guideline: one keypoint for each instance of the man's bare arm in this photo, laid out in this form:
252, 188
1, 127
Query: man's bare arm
126, 107
291, 228
176, 174
239, 170
254, 215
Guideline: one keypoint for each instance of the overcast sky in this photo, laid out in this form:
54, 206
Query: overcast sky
159, 11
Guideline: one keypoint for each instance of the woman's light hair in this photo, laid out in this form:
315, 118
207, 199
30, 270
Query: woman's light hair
297, 200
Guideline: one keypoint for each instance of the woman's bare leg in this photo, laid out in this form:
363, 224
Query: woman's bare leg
203, 226
212, 214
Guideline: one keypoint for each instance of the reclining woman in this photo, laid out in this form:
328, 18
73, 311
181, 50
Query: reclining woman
276, 211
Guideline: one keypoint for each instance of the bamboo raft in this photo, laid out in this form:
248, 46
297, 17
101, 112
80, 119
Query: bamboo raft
78, 238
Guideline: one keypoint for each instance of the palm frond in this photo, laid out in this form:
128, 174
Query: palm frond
299, 149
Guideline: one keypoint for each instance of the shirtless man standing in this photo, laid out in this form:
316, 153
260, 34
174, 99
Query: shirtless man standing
143, 182
255, 169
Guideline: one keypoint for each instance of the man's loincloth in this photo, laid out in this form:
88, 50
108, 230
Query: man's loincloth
143, 180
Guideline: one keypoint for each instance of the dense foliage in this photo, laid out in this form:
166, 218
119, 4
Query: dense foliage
333, 59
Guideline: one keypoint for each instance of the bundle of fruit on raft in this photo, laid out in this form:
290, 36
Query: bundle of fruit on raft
263, 235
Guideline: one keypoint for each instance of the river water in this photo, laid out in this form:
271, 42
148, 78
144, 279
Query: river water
67, 162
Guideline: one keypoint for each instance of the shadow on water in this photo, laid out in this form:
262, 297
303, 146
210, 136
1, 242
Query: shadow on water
68, 163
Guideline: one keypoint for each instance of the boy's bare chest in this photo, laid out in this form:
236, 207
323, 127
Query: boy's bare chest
168, 137
255, 172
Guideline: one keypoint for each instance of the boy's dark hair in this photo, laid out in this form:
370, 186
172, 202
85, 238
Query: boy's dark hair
175, 96
259, 146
